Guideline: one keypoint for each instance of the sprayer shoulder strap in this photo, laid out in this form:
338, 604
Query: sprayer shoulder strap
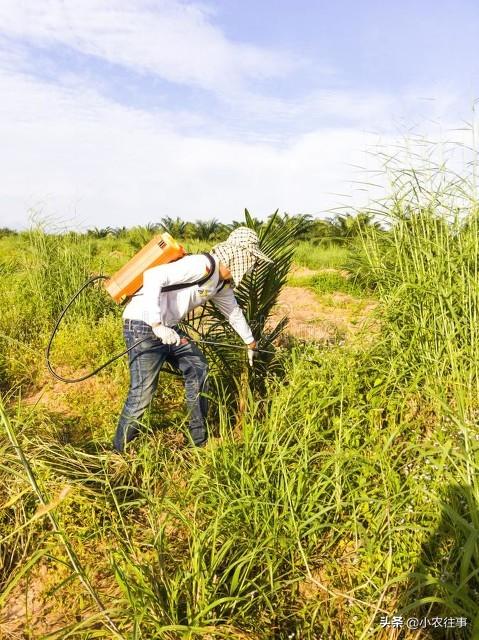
199, 282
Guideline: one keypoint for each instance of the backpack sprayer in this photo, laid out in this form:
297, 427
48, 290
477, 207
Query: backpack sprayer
162, 249
126, 282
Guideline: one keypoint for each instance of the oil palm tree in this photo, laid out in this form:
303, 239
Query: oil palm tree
349, 226
174, 226
207, 229
257, 295
97, 232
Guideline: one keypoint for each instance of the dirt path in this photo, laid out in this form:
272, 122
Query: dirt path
330, 317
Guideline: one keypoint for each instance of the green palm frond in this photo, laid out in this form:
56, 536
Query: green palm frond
174, 226
207, 229
257, 295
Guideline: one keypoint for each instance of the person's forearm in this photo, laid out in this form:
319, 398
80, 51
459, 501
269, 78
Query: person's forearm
226, 303
242, 328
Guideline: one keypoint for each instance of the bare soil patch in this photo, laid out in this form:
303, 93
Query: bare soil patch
32, 610
300, 272
327, 318
57, 395
26, 609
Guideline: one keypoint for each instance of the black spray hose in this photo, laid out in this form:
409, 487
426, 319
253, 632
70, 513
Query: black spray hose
119, 355
54, 332
226, 344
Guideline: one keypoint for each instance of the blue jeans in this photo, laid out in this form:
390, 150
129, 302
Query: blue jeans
145, 362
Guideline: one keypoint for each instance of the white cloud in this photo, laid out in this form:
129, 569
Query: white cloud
374, 111
340, 106
169, 38
93, 161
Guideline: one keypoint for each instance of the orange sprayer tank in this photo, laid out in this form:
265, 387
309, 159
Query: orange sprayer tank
160, 250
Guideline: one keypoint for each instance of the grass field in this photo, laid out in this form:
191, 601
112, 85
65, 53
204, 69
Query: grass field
341, 492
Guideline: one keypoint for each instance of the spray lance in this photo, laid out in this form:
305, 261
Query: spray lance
162, 249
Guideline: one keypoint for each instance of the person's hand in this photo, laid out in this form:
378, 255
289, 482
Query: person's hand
252, 353
166, 334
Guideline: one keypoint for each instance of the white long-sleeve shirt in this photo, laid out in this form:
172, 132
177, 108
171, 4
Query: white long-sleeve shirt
152, 305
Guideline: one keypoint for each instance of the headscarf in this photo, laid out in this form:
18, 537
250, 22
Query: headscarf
240, 252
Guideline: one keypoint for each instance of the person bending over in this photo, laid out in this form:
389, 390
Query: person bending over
169, 292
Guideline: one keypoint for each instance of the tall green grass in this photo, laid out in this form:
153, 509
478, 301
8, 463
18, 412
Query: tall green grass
347, 492
41, 275
425, 270
321, 256
321, 517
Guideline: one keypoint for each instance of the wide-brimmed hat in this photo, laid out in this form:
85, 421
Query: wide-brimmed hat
240, 252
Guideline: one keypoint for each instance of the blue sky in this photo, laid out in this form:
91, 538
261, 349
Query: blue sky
117, 112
